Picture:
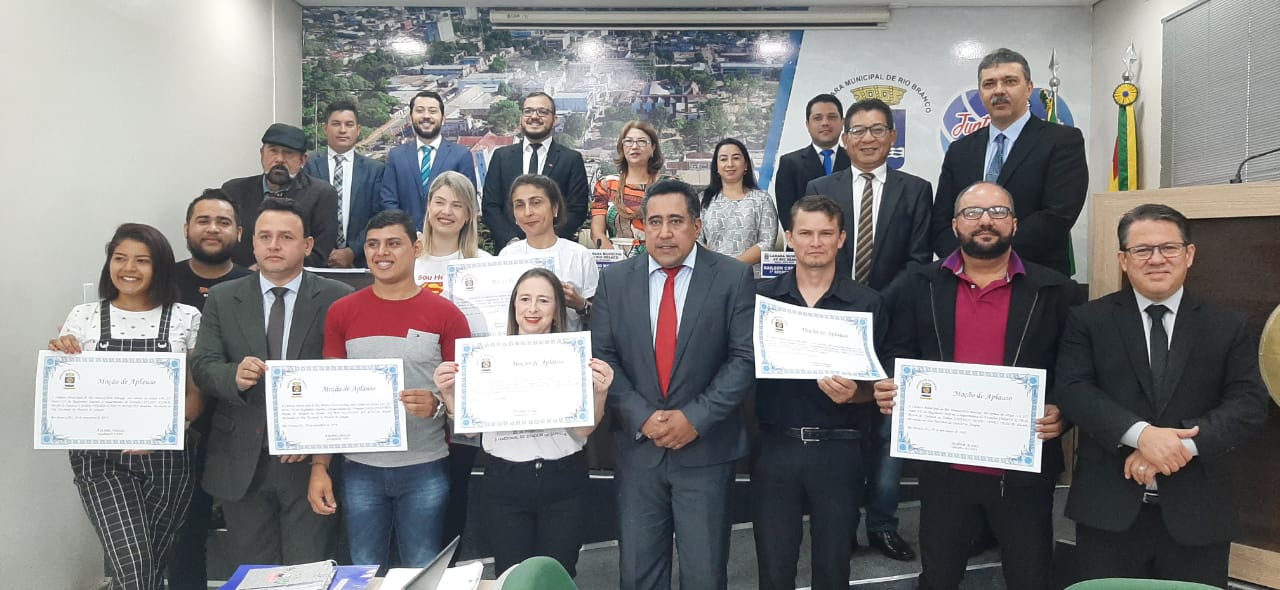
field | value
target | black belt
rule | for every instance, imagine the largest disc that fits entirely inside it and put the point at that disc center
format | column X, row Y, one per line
column 574, row 460
column 1149, row 497
column 813, row 434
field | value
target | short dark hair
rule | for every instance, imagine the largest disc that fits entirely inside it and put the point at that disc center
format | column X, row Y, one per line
column 1152, row 212
column 285, row 205
column 1004, row 56
column 869, row 104
column 392, row 217
column 213, row 194
column 831, row 98
column 542, row 94
column 427, row 94
column 669, row 186
column 162, row 290
column 557, row 322
column 549, row 188
column 819, row 204
column 344, row 104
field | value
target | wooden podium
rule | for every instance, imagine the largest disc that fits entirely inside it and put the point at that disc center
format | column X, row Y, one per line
column 1236, row 229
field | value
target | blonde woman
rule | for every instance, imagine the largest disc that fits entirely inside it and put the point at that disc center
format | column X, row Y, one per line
column 449, row 230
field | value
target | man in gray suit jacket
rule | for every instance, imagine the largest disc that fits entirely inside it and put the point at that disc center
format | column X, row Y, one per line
column 675, row 325
column 277, row 313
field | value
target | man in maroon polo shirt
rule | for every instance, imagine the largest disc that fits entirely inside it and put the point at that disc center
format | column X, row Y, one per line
column 983, row 304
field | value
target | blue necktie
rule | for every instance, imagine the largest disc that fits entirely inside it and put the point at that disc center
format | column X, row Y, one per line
column 827, row 162
column 997, row 160
column 426, row 167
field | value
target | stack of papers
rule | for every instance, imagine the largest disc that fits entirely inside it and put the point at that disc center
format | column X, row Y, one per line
column 462, row 577
column 307, row 576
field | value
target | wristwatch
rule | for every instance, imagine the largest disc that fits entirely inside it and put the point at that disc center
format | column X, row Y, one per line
column 441, row 409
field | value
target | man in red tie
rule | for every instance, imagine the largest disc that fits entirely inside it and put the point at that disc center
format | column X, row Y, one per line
column 681, row 371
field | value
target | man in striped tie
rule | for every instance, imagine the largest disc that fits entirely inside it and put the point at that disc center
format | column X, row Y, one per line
column 411, row 167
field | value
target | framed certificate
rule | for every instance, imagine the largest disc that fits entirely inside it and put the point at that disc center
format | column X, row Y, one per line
column 523, row 383
column 981, row 415
column 793, row 342
column 335, row 406
column 110, row 400
column 481, row 288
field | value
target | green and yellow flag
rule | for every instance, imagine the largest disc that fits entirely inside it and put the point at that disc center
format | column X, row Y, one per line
column 1124, row 159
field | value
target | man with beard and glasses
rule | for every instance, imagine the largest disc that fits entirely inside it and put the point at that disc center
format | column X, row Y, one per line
column 283, row 154
column 212, row 230
column 983, row 304
column 411, row 167
column 536, row 153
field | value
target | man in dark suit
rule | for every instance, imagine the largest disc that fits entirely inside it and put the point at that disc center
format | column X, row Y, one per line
column 284, row 153
column 675, row 325
column 823, row 118
column 536, row 153
column 984, row 305
column 354, row 177
column 1041, row 164
column 277, row 313
column 411, row 167
column 1162, row 386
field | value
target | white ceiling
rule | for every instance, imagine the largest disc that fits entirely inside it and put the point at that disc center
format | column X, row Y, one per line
column 658, row 4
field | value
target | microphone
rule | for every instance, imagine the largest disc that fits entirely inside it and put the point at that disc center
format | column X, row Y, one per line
column 1236, row 179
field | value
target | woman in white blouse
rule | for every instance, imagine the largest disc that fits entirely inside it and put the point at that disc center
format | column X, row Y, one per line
column 449, row 231
column 738, row 219
column 535, row 484
column 136, row 500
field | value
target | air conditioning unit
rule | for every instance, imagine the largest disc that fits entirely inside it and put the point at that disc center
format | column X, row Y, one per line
column 700, row 19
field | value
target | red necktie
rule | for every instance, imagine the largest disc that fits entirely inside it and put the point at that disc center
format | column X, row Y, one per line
column 664, row 345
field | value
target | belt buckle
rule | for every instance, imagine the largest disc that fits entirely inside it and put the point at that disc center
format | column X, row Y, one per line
column 1149, row 497
column 804, row 434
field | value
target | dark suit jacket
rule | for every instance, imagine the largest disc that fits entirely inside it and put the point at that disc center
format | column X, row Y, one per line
column 714, row 366
column 402, row 180
column 902, row 235
column 1104, row 386
column 233, row 327
column 924, row 327
column 366, row 181
column 1045, row 172
column 795, row 170
column 562, row 164
column 317, row 199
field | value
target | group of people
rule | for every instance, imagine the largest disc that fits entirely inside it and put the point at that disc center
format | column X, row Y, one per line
column 1159, row 384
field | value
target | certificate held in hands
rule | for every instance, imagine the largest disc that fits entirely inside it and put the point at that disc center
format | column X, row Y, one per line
column 793, row 342
column 968, row 414
column 335, row 406
column 110, row 400
column 481, row 288
column 523, row 383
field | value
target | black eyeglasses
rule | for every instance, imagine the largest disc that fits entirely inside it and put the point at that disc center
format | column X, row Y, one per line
column 530, row 111
column 974, row 213
column 876, row 131
column 1170, row 250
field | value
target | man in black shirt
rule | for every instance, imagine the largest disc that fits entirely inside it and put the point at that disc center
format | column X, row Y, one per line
column 809, row 447
column 212, row 230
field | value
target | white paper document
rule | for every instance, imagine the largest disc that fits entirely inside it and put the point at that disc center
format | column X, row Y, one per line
column 335, row 406
column 981, row 415
column 110, row 400
column 481, row 288
column 793, row 342
column 523, row 383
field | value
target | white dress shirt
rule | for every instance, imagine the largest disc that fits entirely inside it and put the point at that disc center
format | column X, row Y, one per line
column 348, row 176
column 290, row 297
column 658, row 280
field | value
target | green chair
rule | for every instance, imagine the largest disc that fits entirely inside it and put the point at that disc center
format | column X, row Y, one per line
column 1137, row 584
column 536, row 573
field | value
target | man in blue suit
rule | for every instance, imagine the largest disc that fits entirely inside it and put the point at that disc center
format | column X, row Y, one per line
column 354, row 177
column 411, row 167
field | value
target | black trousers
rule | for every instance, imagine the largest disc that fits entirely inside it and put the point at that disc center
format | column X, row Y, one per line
column 461, row 459
column 1147, row 551
column 786, row 473
column 534, row 508
column 954, row 503
column 187, row 569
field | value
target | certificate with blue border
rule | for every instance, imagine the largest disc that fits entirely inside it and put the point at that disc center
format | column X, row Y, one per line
column 335, row 406
column 967, row 414
column 110, row 400
column 481, row 288
column 794, row 342
column 531, row 382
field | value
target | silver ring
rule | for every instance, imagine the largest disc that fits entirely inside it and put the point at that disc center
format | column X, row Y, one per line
column 1142, row 468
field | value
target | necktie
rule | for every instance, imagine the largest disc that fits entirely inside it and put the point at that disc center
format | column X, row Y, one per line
column 275, row 325
column 337, row 186
column 997, row 160
column 664, row 345
column 827, row 162
column 866, row 236
column 1159, row 345
column 426, row 168
column 533, row 158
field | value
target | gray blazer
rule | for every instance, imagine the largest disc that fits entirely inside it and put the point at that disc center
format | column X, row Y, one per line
column 714, row 367
column 233, row 326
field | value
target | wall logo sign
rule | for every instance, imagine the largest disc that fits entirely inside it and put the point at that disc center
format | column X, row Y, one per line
column 894, row 90
column 966, row 114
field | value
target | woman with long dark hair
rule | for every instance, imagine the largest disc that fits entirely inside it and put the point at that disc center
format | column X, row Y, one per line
column 738, row 219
